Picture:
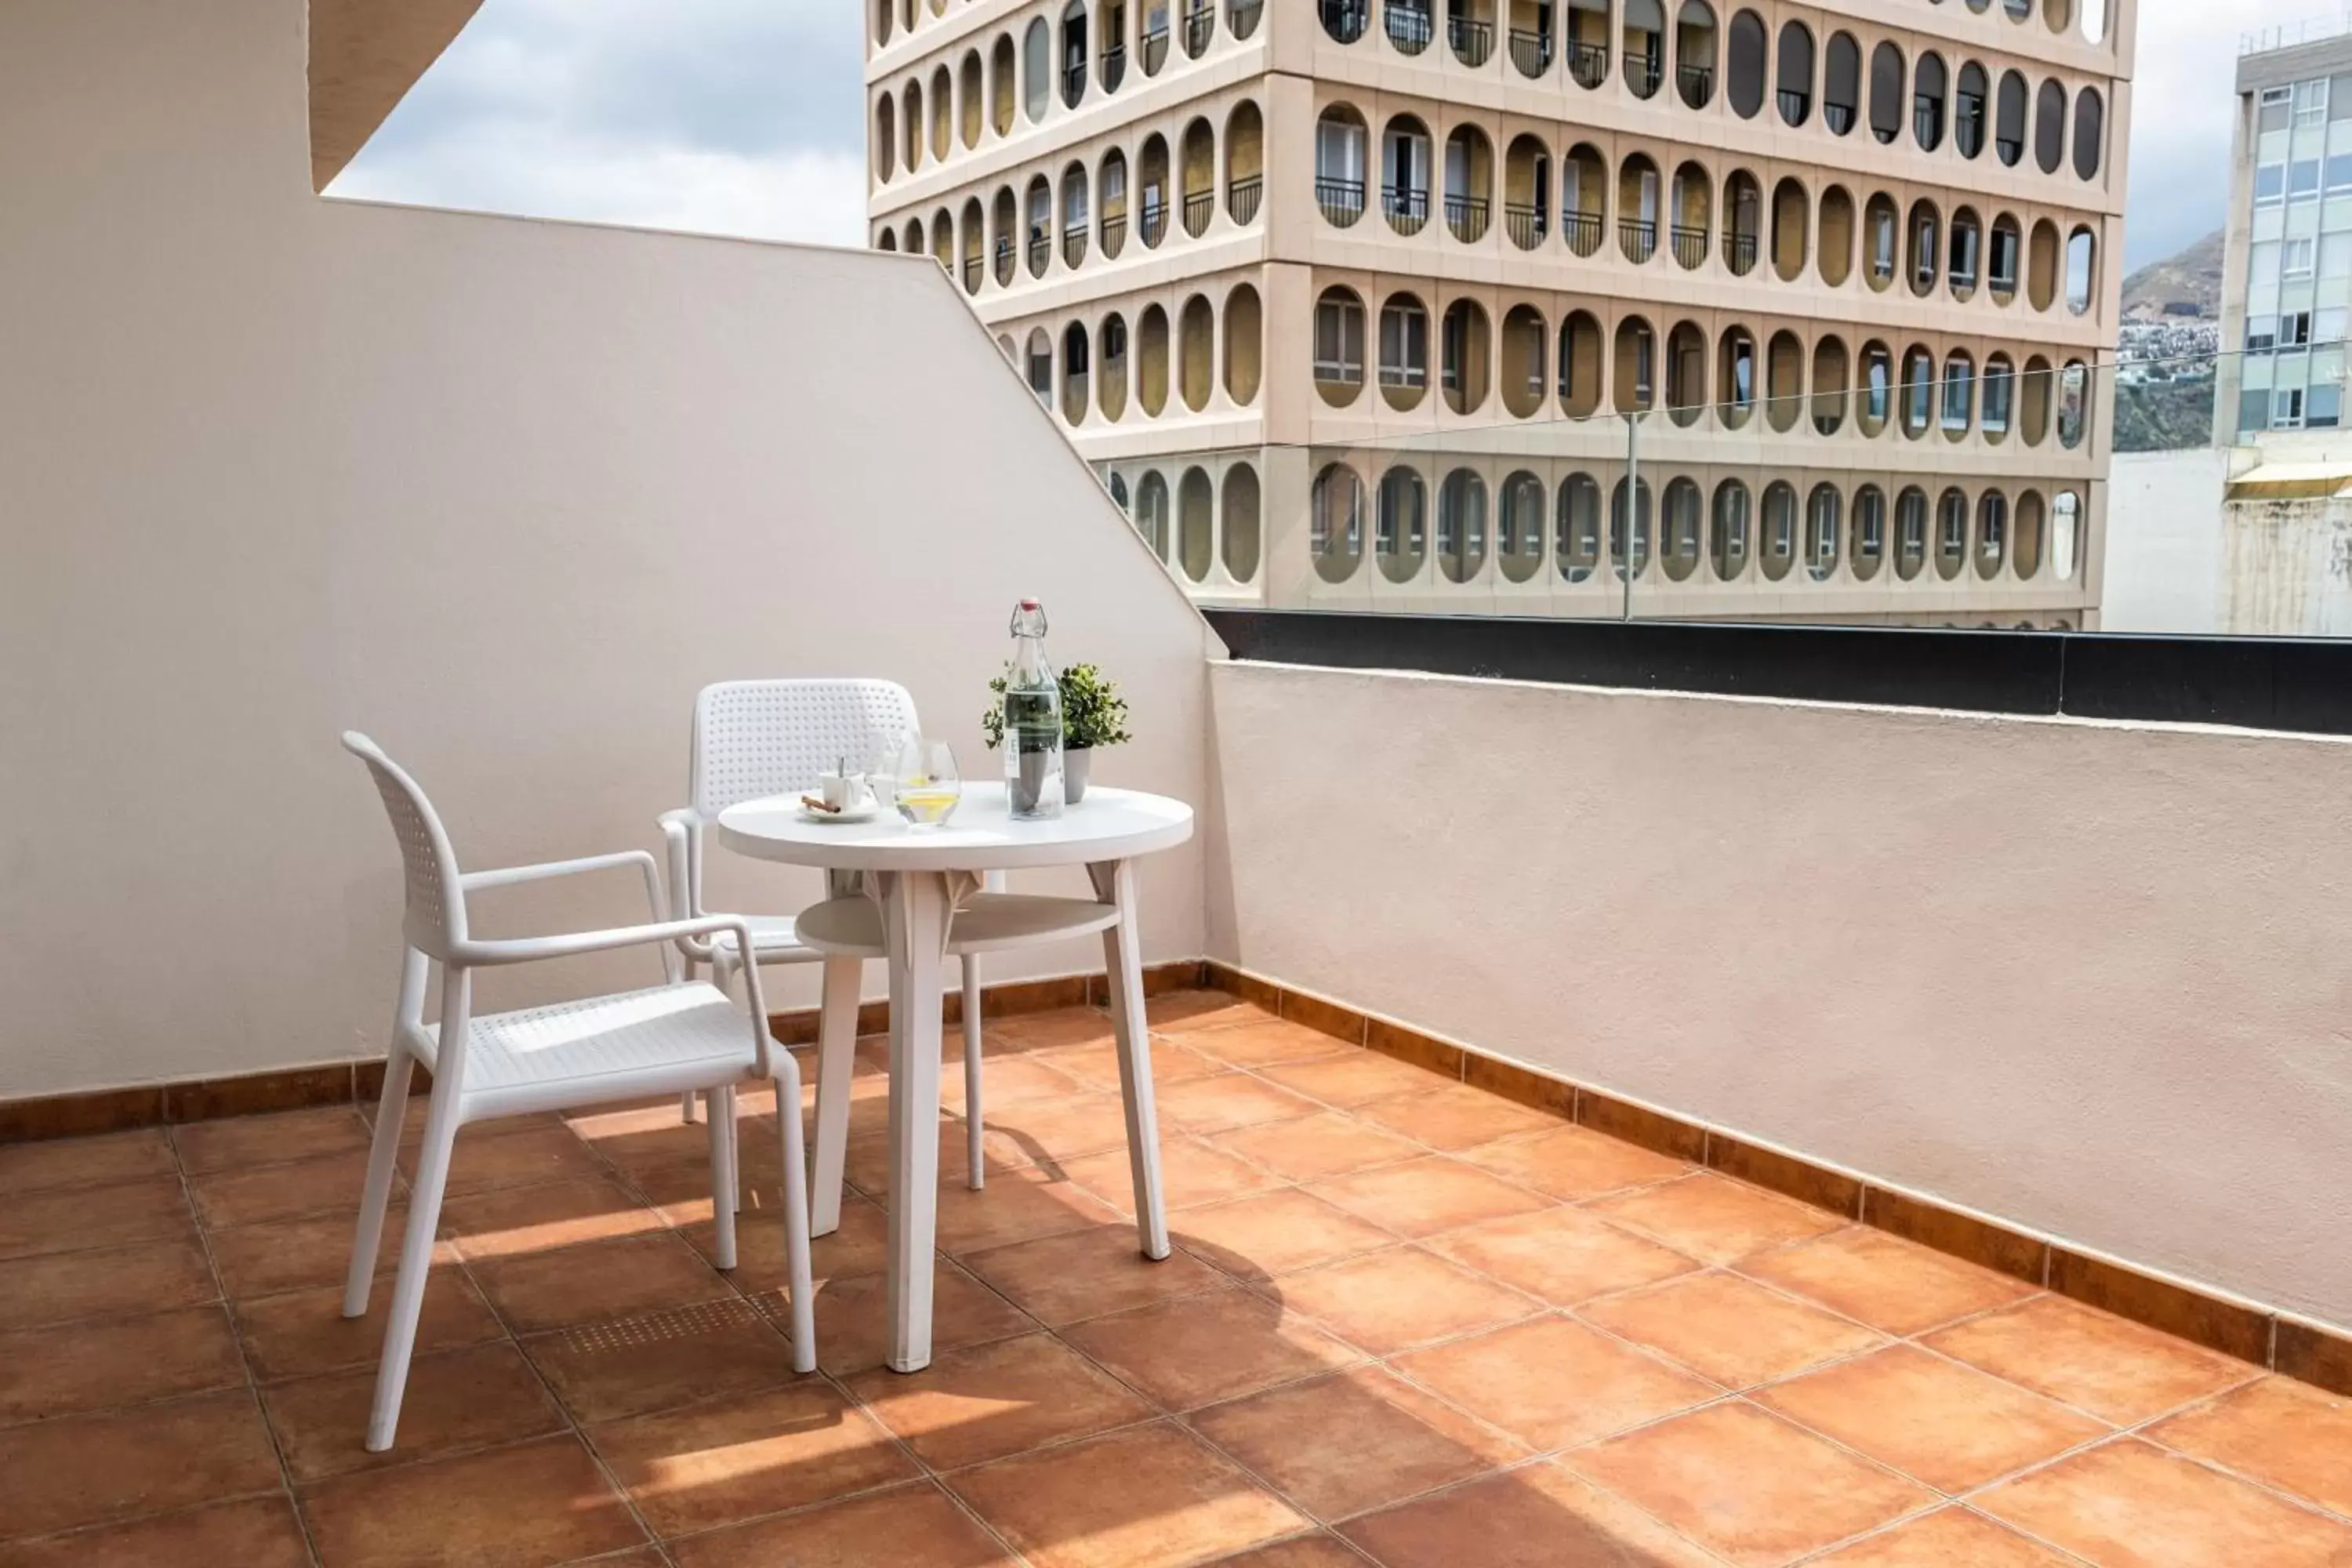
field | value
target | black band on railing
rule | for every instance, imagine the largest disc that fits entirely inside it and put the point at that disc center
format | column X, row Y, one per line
column 2300, row 685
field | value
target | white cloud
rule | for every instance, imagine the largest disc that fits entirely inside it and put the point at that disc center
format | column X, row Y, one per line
column 2184, row 92
column 811, row 194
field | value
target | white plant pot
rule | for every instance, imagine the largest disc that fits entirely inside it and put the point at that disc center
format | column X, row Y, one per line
column 1073, row 774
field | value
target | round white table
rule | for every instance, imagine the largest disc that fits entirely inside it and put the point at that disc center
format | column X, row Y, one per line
column 917, row 876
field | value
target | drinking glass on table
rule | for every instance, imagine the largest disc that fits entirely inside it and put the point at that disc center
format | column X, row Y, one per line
column 925, row 783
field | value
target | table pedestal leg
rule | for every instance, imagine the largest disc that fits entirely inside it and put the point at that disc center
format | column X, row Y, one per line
column 914, row 911
column 1123, row 957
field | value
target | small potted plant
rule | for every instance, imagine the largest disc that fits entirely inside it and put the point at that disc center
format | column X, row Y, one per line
column 1093, row 714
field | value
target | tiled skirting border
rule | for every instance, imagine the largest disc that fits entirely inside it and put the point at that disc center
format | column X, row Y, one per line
column 2279, row 1341
column 2312, row 1352
column 334, row 1083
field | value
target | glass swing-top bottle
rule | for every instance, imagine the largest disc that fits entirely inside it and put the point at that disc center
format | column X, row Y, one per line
column 1033, row 720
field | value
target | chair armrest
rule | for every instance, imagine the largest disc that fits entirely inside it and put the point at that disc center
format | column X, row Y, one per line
column 512, row 875
column 572, row 944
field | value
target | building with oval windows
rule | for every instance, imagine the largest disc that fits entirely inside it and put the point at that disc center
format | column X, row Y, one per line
column 1707, row 308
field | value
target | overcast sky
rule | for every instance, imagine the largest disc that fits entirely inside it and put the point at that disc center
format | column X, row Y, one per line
column 746, row 117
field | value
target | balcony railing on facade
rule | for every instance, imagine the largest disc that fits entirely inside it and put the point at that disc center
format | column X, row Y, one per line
column 1243, row 195
column 1114, row 66
column 972, row 274
column 1690, row 246
column 1588, row 63
column 1003, row 260
column 1152, row 223
column 1473, row 41
column 1243, row 14
column 1040, row 247
column 1074, row 82
column 1739, row 252
column 1583, row 231
column 1530, row 51
column 1200, row 26
column 1113, row 233
column 1525, row 222
column 1155, row 48
column 1410, row 26
column 1406, row 209
column 1198, row 207
column 1697, row 81
column 1074, row 246
column 1346, row 20
column 1466, row 216
column 1342, row 201
column 1643, row 71
column 1638, row 236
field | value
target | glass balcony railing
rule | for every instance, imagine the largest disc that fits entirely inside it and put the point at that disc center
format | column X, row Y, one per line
column 1114, row 66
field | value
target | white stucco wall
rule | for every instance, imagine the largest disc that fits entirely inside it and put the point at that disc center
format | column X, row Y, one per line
column 2086, row 977
column 2164, row 542
column 503, row 494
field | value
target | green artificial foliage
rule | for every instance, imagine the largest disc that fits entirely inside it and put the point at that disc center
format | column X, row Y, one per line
column 1093, row 712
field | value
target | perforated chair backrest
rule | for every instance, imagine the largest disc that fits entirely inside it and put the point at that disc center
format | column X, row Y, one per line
column 436, row 915
column 755, row 738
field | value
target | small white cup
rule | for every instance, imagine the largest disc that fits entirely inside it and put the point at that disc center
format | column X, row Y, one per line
column 839, row 791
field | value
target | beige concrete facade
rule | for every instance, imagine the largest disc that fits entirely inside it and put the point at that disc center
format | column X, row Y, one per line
column 1372, row 304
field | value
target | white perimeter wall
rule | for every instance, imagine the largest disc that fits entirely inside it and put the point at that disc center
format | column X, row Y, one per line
column 2164, row 542
column 503, row 494
column 2086, row 977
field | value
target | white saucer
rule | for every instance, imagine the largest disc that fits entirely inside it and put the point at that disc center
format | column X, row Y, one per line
column 865, row 812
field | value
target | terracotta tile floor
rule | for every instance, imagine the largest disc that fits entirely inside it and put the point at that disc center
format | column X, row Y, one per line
column 1407, row 1325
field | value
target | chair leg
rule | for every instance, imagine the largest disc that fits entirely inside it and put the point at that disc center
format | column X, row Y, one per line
column 383, row 1155
column 974, row 1134
column 796, row 1209
column 719, row 1105
column 686, row 1108
column 415, row 1263
column 836, row 1059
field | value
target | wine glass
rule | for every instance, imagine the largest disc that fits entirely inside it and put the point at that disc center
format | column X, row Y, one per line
column 924, row 781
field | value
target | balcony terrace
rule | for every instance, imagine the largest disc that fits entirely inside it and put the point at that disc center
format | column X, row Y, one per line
column 1629, row 1095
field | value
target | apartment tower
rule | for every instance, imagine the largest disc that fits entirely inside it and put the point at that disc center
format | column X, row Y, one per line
column 1417, row 305
column 2286, row 279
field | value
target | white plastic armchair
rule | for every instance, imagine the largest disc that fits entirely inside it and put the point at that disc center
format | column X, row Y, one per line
column 678, row 1038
